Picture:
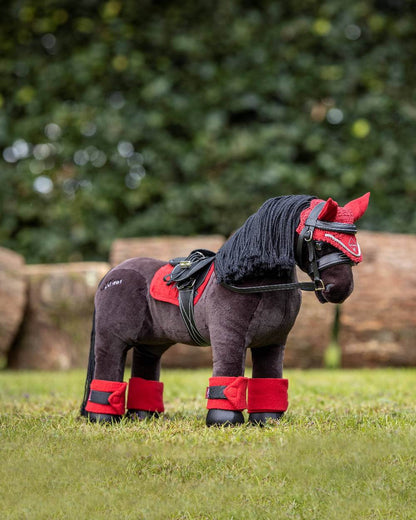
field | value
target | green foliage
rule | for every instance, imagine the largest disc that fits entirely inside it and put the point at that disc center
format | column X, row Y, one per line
column 344, row 450
column 146, row 118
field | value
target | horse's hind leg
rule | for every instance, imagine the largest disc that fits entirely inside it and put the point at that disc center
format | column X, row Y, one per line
column 145, row 397
column 104, row 399
column 267, row 391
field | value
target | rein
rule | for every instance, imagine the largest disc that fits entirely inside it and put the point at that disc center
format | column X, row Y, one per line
column 303, row 286
column 314, row 264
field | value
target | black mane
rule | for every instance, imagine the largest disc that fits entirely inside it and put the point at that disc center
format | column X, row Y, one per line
column 264, row 244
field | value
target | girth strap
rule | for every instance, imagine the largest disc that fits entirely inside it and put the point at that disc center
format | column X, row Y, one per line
column 188, row 274
column 186, row 307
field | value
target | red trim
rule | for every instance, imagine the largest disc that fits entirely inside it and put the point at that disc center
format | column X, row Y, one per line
column 201, row 288
column 235, row 393
column 159, row 290
column 145, row 395
column 267, row 395
column 116, row 400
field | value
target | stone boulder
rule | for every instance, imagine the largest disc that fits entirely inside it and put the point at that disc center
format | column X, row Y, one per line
column 311, row 333
column 378, row 321
column 57, row 325
column 13, row 297
column 162, row 248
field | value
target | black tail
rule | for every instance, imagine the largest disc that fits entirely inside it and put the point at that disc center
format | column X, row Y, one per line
column 91, row 369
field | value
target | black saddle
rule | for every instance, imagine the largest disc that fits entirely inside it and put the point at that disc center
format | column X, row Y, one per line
column 188, row 274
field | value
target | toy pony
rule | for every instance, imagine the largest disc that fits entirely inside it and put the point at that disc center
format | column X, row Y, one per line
column 244, row 296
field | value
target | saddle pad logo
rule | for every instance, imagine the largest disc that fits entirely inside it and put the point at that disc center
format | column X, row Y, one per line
column 353, row 246
column 111, row 283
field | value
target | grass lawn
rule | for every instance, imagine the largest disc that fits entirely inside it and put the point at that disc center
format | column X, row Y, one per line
column 346, row 449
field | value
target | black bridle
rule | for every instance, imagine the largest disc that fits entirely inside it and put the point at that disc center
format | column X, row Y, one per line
column 313, row 264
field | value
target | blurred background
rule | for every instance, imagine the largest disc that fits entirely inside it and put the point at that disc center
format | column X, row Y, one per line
column 140, row 118
column 131, row 128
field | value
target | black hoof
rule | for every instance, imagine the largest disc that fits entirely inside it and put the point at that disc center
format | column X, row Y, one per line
column 103, row 417
column 224, row 418
column 141, row 415
column 260, row 418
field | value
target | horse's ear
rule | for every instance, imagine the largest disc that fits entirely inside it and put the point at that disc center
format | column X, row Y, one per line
column 358, row 206
column 329, row 211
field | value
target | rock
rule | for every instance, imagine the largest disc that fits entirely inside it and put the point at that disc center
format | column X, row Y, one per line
column 378, row 321
column 13, row 297
column 56, row 330
column 162, row 248
column 311, row 333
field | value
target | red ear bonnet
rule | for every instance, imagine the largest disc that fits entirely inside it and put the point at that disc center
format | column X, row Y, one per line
column 331, row 212
column 358, row 206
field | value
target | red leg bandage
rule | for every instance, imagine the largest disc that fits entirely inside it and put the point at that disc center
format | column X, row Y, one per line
column 107, row 397
column 267, row 395
column 227, row 393
column 145, row 395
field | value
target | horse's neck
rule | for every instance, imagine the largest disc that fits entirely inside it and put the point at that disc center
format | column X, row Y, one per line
column 270, row 279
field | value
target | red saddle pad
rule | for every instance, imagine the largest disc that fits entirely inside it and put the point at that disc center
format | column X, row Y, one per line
column 160, row 290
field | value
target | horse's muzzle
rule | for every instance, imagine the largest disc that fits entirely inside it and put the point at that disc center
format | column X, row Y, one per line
column 334, row 293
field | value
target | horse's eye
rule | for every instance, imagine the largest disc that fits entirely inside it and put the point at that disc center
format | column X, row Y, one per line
column 318, row 246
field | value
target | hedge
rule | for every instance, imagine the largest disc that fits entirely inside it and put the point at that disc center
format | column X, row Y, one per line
column 140, row 118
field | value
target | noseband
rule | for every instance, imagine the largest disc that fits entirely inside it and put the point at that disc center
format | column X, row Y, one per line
column 313, row 265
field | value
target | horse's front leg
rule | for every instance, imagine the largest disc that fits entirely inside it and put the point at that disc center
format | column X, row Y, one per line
column 267, row 390
column 230, row 317
column 227, row 389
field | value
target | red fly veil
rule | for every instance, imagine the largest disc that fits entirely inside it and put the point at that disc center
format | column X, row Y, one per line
column 331, row 212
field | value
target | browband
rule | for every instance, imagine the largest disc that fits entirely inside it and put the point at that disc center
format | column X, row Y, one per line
column 339, row 227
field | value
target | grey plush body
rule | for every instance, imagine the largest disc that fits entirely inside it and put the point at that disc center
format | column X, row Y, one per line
column 127, row 316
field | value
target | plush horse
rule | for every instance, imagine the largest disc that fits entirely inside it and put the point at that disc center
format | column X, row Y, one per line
column 244, row 296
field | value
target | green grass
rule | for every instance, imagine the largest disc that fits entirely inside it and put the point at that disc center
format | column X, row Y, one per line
column 346, row 449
